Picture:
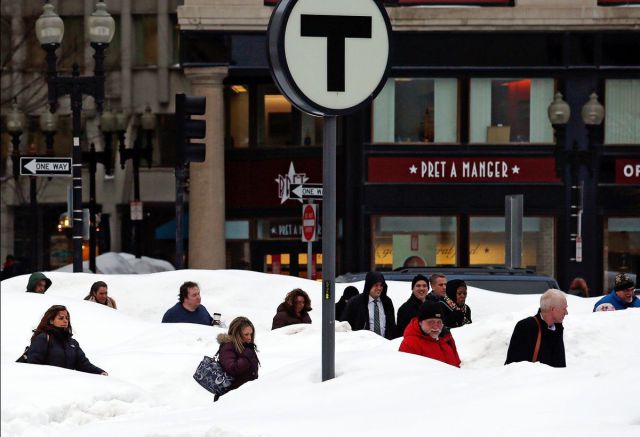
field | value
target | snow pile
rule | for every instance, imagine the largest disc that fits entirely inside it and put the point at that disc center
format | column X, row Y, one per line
column 377, row 392
column 112, row 263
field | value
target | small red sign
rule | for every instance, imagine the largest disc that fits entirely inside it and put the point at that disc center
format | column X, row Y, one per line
column 309, row 222
column 627, row 171
column 498, row 170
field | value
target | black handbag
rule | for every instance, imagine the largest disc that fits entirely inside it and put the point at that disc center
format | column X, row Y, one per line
column 212, row 377
column 23, row 357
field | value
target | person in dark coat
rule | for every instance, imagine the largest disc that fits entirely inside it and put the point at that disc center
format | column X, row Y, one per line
column 98, row 293
column 237, row 353
column 547, row 324
column 52, row 345
column 38, row 283
column 295, row 309
column 347, row 294
column 189, row 308
column 361, row 313
column 409, row 309
column 457, row 311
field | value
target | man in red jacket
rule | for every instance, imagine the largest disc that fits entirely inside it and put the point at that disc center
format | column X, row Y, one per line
column 427, row 336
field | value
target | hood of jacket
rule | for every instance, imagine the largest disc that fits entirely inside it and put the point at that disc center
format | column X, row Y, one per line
column 452, row 288
column 224, row 338
column 413, row 330
column 371, row 279
column 35, row 277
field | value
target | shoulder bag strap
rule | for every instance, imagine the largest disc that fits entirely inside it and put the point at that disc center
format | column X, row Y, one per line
column 538, row 340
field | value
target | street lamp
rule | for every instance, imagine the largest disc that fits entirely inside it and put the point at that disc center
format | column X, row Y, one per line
column 50, row 30
column 121, row 121
column 16, row 122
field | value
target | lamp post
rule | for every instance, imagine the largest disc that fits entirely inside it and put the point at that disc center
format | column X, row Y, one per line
column 50, row 30
column 16, row 122
column 49, row 126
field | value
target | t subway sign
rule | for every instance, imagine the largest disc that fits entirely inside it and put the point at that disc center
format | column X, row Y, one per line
column 329, row 57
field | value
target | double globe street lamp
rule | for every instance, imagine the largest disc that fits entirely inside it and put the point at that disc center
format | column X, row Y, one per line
column 50, row 31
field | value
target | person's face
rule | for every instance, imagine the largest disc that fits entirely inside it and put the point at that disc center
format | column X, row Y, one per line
column 40, row 286
column 193, row 297
column 432, row 327
column 246, row 333
column 376, row 290
column 440, row 287
column 298, row 304
column 101, row 295
column 61, row 320
column 559, row 310
column 626, row 295
column 420, row 290
column 461, row 295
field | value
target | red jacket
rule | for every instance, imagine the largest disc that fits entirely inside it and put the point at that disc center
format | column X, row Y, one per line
column 416, row 342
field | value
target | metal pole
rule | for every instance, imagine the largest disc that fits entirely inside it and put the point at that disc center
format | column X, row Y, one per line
column 513, row 223
column 310, row 251
column 137, row 247
column 92, row 208
column 35, row 248
column 179, row 207
column 329, row 248
column 76, row 108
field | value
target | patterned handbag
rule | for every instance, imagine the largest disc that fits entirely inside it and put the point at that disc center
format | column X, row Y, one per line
column 212, row 376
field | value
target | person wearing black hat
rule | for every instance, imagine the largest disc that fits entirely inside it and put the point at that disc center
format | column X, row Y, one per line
column 372, row 309
column 409, row 309
column 622, row 297
column 427, row 336
column 347, row 294
column 457, row 312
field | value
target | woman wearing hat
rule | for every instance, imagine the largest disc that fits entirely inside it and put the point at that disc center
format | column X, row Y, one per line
column 427, row 336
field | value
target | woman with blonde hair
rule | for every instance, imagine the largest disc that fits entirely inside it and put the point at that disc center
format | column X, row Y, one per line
column 295, row 309
column 238, row 352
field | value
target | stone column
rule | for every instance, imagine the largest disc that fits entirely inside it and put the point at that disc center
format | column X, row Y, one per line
column 206, row 199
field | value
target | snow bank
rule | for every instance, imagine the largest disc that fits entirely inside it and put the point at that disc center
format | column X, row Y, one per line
column 112, row 263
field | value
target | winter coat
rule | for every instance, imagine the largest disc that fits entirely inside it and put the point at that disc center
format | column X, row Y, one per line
column 613, row 299
column 357, row 310
column 110, row 302
column 242, row 366
column 407, row 311
column 179, row 314
column 417, row 342
column 523, row 343
column 35, row 277
column 285, row 317
column 59, row 349
column 455, row 316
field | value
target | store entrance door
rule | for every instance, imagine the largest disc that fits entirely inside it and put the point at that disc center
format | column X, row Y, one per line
column 286, row 258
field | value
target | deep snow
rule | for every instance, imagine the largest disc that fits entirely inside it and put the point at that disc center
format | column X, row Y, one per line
column 377, row 392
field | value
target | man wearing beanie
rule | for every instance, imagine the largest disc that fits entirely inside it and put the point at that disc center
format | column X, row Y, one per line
column 409, row 309
column 426, row 335
column 372, row 309
column 622, row 297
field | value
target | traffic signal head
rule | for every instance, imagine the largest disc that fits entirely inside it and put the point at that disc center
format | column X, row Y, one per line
column 188, row 129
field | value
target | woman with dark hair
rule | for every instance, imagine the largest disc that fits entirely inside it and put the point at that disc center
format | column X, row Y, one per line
column 458, row 313
column 579, row 287
column 98, row 294
column 237, row 353
column 52, row 345
column 347, row 294
column 295, row 309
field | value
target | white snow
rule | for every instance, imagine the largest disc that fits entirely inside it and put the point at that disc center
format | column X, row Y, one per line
column 112, row 263
column 378, row 391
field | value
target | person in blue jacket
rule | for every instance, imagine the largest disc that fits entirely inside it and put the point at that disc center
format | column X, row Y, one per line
column 622, row 297
column 188, row 309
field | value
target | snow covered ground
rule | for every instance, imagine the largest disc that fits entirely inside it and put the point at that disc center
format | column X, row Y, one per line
column 123, row 263
column 377, row 392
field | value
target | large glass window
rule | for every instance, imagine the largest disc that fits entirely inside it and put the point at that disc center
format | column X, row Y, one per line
column 164, row 154
column 237, row 102
column 416, row 111
column 413, row 242
column 510, row 111
column 621, row 249
column 487, row 243
column 622, row 105
column 146, row 40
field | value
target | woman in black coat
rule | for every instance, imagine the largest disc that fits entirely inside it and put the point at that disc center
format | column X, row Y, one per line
column 458, row 313
column 52, row 345
column 237, row 353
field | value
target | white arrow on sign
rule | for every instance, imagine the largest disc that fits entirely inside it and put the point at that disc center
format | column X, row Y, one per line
column 31, row 166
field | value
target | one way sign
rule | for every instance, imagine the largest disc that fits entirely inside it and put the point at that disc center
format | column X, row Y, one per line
column 36, row 166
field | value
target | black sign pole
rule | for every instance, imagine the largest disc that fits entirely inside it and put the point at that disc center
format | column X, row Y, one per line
column 309, row 244
column 329, row 248
column 179, row 211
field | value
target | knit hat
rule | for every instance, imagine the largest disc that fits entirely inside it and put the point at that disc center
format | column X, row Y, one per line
column 430, row 310
column 623, row 281
column 417, row 278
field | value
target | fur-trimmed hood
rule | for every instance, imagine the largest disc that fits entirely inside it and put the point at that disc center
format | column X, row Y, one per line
column 224, row 338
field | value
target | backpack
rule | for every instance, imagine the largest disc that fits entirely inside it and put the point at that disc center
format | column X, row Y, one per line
column 23, row 358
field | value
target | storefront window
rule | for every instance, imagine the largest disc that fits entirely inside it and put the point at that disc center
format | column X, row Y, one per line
column 164, row 154
column 413, row 242
column 621, row 249
column 416, row 111
column 146, row 40
column 510, row 111
column 487, row 243
column 237, row 235
column 622, row 106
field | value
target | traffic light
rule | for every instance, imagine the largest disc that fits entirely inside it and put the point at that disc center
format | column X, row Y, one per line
column 188, row 129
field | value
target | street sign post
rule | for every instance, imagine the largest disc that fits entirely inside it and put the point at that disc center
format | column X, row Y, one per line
column 38, row 166
column 329, row 58
column 309, row 232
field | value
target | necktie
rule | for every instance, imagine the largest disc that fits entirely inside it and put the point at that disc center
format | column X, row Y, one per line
column 376, row 317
